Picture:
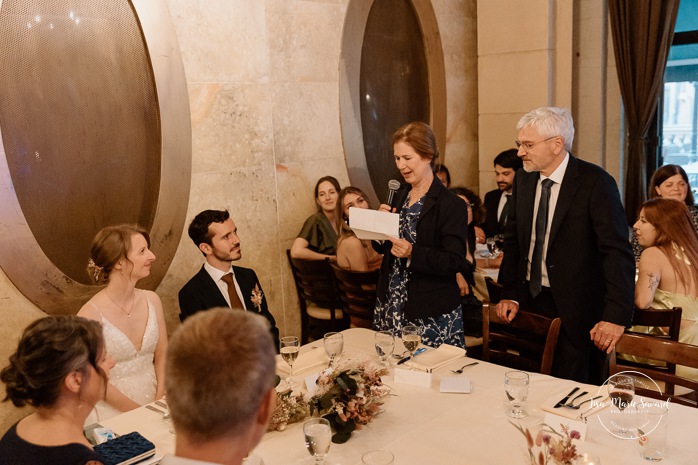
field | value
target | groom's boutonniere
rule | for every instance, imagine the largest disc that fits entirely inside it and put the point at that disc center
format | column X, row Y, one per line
column 257, row 297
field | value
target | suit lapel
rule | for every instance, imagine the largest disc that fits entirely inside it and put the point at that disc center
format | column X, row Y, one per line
column 209, row 290
column 431, row 196
column 568, row 189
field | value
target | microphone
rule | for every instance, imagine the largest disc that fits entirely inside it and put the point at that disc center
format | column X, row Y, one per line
column 393, row 186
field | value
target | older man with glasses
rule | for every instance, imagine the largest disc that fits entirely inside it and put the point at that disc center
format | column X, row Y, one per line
column 567, row 246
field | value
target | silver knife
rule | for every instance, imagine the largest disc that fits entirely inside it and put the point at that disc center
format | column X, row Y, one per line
column 564, row 399
column 419, row 351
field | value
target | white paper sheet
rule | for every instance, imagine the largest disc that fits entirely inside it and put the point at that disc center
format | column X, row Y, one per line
column 373, row 224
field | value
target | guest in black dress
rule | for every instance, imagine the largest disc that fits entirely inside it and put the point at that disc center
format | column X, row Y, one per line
column 418, row 274
column 61, row 368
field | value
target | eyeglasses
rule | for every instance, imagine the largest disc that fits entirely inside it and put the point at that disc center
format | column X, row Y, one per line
column 529, row 145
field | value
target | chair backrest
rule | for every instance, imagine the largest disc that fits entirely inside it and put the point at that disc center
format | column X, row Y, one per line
column 494, row 289
column 315, row 282
column 358, row 292
column 526, row 343
column 661, row 323
column 669, row 320
column 671, row 352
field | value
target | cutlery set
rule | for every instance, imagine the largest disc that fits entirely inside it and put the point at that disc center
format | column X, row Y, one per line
column 566, row 403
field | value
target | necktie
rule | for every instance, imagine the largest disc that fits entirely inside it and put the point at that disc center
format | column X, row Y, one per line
column 504, row 215
column 232, row 293
column 541, row 227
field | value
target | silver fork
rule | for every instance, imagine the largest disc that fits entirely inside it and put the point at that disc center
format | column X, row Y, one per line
column 460, row 370
column 576, row 407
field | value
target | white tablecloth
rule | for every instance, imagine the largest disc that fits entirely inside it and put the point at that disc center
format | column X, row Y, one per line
column 421, row 426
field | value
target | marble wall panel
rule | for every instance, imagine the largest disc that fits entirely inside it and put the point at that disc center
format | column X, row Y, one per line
column 231, row 126
column 222, row 40
column 306, row 121
column 507, row 27
column 513, row 82
column 301, row 49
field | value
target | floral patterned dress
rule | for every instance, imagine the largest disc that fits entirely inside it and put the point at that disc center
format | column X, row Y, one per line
column 389, row 314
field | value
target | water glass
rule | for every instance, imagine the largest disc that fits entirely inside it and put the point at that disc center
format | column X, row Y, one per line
column 587, row 459
column 378, row 457
column 516, row 388
column 334, row 345
column 318, row 437
column 385, row 343
column 652, row 429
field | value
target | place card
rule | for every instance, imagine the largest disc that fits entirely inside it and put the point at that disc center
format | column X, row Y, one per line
column 311, row 383
column 456, row 384
column 415, row 378
column 555, row 422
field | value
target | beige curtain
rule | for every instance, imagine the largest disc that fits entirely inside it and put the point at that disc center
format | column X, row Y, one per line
column 642, row 33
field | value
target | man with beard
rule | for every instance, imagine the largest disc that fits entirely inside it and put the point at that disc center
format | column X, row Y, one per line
column 497, row 201
column 219, row 283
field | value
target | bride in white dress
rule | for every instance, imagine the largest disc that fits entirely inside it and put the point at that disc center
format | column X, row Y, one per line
column 133, row 321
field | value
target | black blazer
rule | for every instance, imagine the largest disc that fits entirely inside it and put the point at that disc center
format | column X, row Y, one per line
column 491, row 202
column 589, row 260
column 202, row 293
column 436, row 257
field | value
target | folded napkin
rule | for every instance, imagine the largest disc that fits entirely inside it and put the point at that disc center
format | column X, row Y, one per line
column 309, row 358
column 588, row 409
column 435, row 358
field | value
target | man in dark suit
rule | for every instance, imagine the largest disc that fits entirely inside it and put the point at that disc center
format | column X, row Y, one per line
column 574, row 259
column 506, row 164
column 219, row 283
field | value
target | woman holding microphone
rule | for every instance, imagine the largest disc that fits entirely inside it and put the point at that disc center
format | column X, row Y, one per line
column 418, row 273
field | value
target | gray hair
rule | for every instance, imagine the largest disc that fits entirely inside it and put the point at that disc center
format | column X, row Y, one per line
column 220, row 366
column 550, row 122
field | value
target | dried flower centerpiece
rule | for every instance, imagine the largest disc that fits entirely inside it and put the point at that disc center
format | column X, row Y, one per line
column 552, row 447
column 349, row 396
column 291, row 407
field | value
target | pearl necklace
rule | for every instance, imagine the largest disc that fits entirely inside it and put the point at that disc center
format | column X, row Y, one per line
column 133, row 301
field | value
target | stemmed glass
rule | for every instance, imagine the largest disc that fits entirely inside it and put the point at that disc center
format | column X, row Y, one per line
column 318, row 437
column 493, row 246
column 384, row 343
column 411, row 337
column 621, row 390
column 289, row 352
column 334, row 344
column 516, row 387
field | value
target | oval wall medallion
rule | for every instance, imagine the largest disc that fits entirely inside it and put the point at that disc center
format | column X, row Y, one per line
column 94, row 130
column 391, row 73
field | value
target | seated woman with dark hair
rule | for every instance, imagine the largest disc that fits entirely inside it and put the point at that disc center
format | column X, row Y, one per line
column 669, row 182
column 667, row 275
column 317, row 239
column 61, row 368
column 353, row 253
column 472, row 307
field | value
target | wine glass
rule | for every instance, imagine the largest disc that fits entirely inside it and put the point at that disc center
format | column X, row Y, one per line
column 499, row 242
column 289, row 352
column 334, row 344
column 621, row 390
column 492, row 247
column 411, row 337
column 516, row 387
column 318, row 437
column 385, row 343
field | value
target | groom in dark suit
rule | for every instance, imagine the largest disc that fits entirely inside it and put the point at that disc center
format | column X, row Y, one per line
column 219, row 283
column 567, row 249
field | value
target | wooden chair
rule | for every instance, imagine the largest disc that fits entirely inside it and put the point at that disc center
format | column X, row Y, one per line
column 526, row 343
column 318, row 297
column 665, row 324
column 358, row 292
column 494, row 290
column 671, row 352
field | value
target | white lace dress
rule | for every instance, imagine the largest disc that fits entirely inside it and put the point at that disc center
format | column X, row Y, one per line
column 134, row 372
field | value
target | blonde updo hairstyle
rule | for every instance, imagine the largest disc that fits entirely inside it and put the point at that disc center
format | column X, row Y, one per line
column 111, row 244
